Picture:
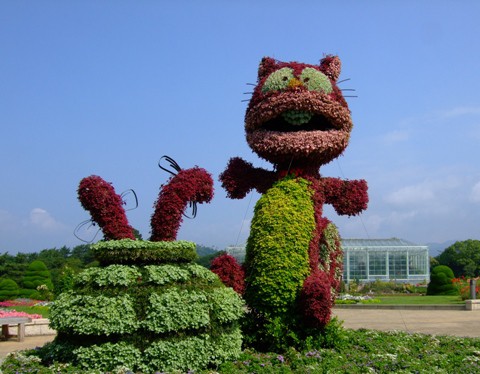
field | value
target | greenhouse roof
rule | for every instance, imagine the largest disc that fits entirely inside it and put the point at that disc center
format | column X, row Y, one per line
column 392, row 242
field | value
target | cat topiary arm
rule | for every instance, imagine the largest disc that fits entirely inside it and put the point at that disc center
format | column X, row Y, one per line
column 240, row 177
column 347, row 197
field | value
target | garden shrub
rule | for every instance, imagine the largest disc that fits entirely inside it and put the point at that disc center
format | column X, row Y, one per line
column 441, row 281
column 8, row 289
column 171, row 315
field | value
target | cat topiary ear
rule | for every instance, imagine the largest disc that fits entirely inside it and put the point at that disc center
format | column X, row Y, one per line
column 331, row 66
column 267, row 65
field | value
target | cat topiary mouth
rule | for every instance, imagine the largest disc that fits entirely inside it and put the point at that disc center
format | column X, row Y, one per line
column 297, row 117
column 298, row 120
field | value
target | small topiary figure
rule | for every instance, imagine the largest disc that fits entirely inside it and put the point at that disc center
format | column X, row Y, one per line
column 441, row 281
column 37, row 275
column 298, row 120
column 8, row 289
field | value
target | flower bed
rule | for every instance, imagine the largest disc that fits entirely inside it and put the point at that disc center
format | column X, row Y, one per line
column 462, row 284
column 14, row 313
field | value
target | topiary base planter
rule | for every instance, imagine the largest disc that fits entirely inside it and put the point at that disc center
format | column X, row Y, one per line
column 170, row 315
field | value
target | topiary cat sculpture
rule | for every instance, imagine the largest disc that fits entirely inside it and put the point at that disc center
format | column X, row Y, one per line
column 298, row 120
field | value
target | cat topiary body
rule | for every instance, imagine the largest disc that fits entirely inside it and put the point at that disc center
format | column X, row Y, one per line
column 298, row 120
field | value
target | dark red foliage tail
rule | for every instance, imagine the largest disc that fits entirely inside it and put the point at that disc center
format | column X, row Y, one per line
column 195, row 185
column 230, row 272
column 106, row 208
column 316, row 300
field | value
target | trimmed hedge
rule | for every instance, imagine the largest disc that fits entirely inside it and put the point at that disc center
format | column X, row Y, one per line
column 8, row 289
column 441, row 281
column 143, row 252
column 37, row 274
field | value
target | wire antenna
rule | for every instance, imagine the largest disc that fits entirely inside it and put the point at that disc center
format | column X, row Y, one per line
column 80, row 227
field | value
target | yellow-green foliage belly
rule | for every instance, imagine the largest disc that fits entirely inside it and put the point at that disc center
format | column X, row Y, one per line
column 277, row 250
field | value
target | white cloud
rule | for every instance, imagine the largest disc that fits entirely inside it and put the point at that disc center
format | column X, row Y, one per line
column 42, row 219
column 417, row 194
column 458, row 112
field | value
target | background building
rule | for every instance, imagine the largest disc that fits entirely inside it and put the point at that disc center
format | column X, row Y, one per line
column 366, row 260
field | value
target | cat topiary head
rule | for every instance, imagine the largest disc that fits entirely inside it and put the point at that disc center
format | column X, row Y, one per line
column 297, row 113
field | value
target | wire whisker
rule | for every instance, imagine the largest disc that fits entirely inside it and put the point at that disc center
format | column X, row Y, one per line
column 343, row 80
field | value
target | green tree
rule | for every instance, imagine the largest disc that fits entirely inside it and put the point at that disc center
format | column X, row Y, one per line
column 463, row 258
column 65, row 280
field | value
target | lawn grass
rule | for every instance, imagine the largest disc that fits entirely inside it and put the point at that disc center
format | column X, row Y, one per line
column 419, row 300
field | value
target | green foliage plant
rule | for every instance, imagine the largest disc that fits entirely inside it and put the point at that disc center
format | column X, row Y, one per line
column 8, row 289
column 441, row 281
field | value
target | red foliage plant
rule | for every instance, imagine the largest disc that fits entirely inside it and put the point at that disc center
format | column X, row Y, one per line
column 315, row 300
column 106, row 208
column 230, row 272
column 195, row 185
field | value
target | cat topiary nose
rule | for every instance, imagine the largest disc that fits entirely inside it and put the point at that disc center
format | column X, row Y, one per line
column 294, row 82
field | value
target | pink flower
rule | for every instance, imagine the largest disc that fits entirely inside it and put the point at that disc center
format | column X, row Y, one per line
column 14, row 313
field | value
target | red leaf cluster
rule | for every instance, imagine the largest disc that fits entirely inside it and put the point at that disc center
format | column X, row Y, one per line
column 347, row 197
column 240, row 177
column 230, row 272
column 106, row 208
column 189, row 185
column 315, row 300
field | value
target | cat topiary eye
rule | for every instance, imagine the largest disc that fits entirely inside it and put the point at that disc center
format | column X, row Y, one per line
column 278, row 80
column 315, row 80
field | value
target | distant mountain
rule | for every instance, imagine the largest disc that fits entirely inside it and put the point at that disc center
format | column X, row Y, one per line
column 205, row 251
column 435, row 249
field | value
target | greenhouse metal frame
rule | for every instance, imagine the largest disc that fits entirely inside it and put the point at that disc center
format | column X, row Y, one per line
column 398, row 260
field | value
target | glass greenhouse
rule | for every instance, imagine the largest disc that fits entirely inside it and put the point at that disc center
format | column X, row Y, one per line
column 398, row 260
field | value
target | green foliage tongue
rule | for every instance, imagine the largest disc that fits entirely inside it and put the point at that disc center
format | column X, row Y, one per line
column 297, row 117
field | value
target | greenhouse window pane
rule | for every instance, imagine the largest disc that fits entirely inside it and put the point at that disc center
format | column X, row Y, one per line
column 358, row 265
column 417, row 263
column 397, row 265
column 378, row 263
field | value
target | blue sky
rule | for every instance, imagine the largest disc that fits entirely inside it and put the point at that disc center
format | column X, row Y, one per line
column 107, row 88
